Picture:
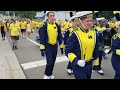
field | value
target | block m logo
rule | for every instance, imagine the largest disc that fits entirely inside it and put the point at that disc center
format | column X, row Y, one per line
column 89, row 36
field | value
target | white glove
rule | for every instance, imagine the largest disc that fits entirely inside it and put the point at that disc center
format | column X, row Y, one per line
column 81, row 63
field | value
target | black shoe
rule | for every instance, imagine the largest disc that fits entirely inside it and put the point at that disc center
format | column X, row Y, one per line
column 16, row 47
column 13, row 48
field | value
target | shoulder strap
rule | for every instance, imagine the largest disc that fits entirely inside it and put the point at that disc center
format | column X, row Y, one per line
column 57, row 25
column 45, row 23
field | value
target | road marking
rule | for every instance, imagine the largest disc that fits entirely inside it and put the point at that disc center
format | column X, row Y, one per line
column 42, row 63
column 32, row 41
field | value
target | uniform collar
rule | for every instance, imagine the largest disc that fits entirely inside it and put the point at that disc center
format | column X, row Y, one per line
column 50, row 23
column 74, row 27
column 86, row 31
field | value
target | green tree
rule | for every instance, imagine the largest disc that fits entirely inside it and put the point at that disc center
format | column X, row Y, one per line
column 106, row 14
column 3, row 12
column 25, row 14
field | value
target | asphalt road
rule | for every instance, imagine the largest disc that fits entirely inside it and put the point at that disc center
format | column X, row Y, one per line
column 29, row 53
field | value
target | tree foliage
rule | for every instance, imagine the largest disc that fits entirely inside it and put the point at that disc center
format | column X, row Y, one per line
column 26, row 14
column 106, row 14
column 31, row 14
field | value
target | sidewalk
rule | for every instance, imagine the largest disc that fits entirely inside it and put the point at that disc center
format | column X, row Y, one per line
column 9, row 65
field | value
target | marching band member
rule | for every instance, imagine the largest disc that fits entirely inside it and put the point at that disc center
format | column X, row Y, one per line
column 99, row 29
column 75, row 24
column 50, row 35
column 81, row 47
column 116, row 54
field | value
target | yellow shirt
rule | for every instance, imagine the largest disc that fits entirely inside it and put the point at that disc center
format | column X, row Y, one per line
column 40, row 24
column 14, row 28
column 67, row 25
column 37, row 24
column 62, row 27
column 19, row 23
column 32, row 25
column 101, row 28
column 28, row 26
column 23, row 25
column 8, row 24
column 52, row 33
column 117, row 24
column 112, row 25
column 115, row 12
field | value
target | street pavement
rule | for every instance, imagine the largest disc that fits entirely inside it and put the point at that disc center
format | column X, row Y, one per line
column 9, row 65
column 33, row 64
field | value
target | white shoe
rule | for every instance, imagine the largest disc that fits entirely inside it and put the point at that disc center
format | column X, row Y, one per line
column 47, row 77
column 101, row 72
column 93, row 71
column 52, row 77
column 69, row 71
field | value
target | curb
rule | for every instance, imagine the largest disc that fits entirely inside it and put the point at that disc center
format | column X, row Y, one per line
column 9, row 65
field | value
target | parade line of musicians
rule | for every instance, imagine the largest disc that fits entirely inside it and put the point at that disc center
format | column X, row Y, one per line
column 85, row 39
